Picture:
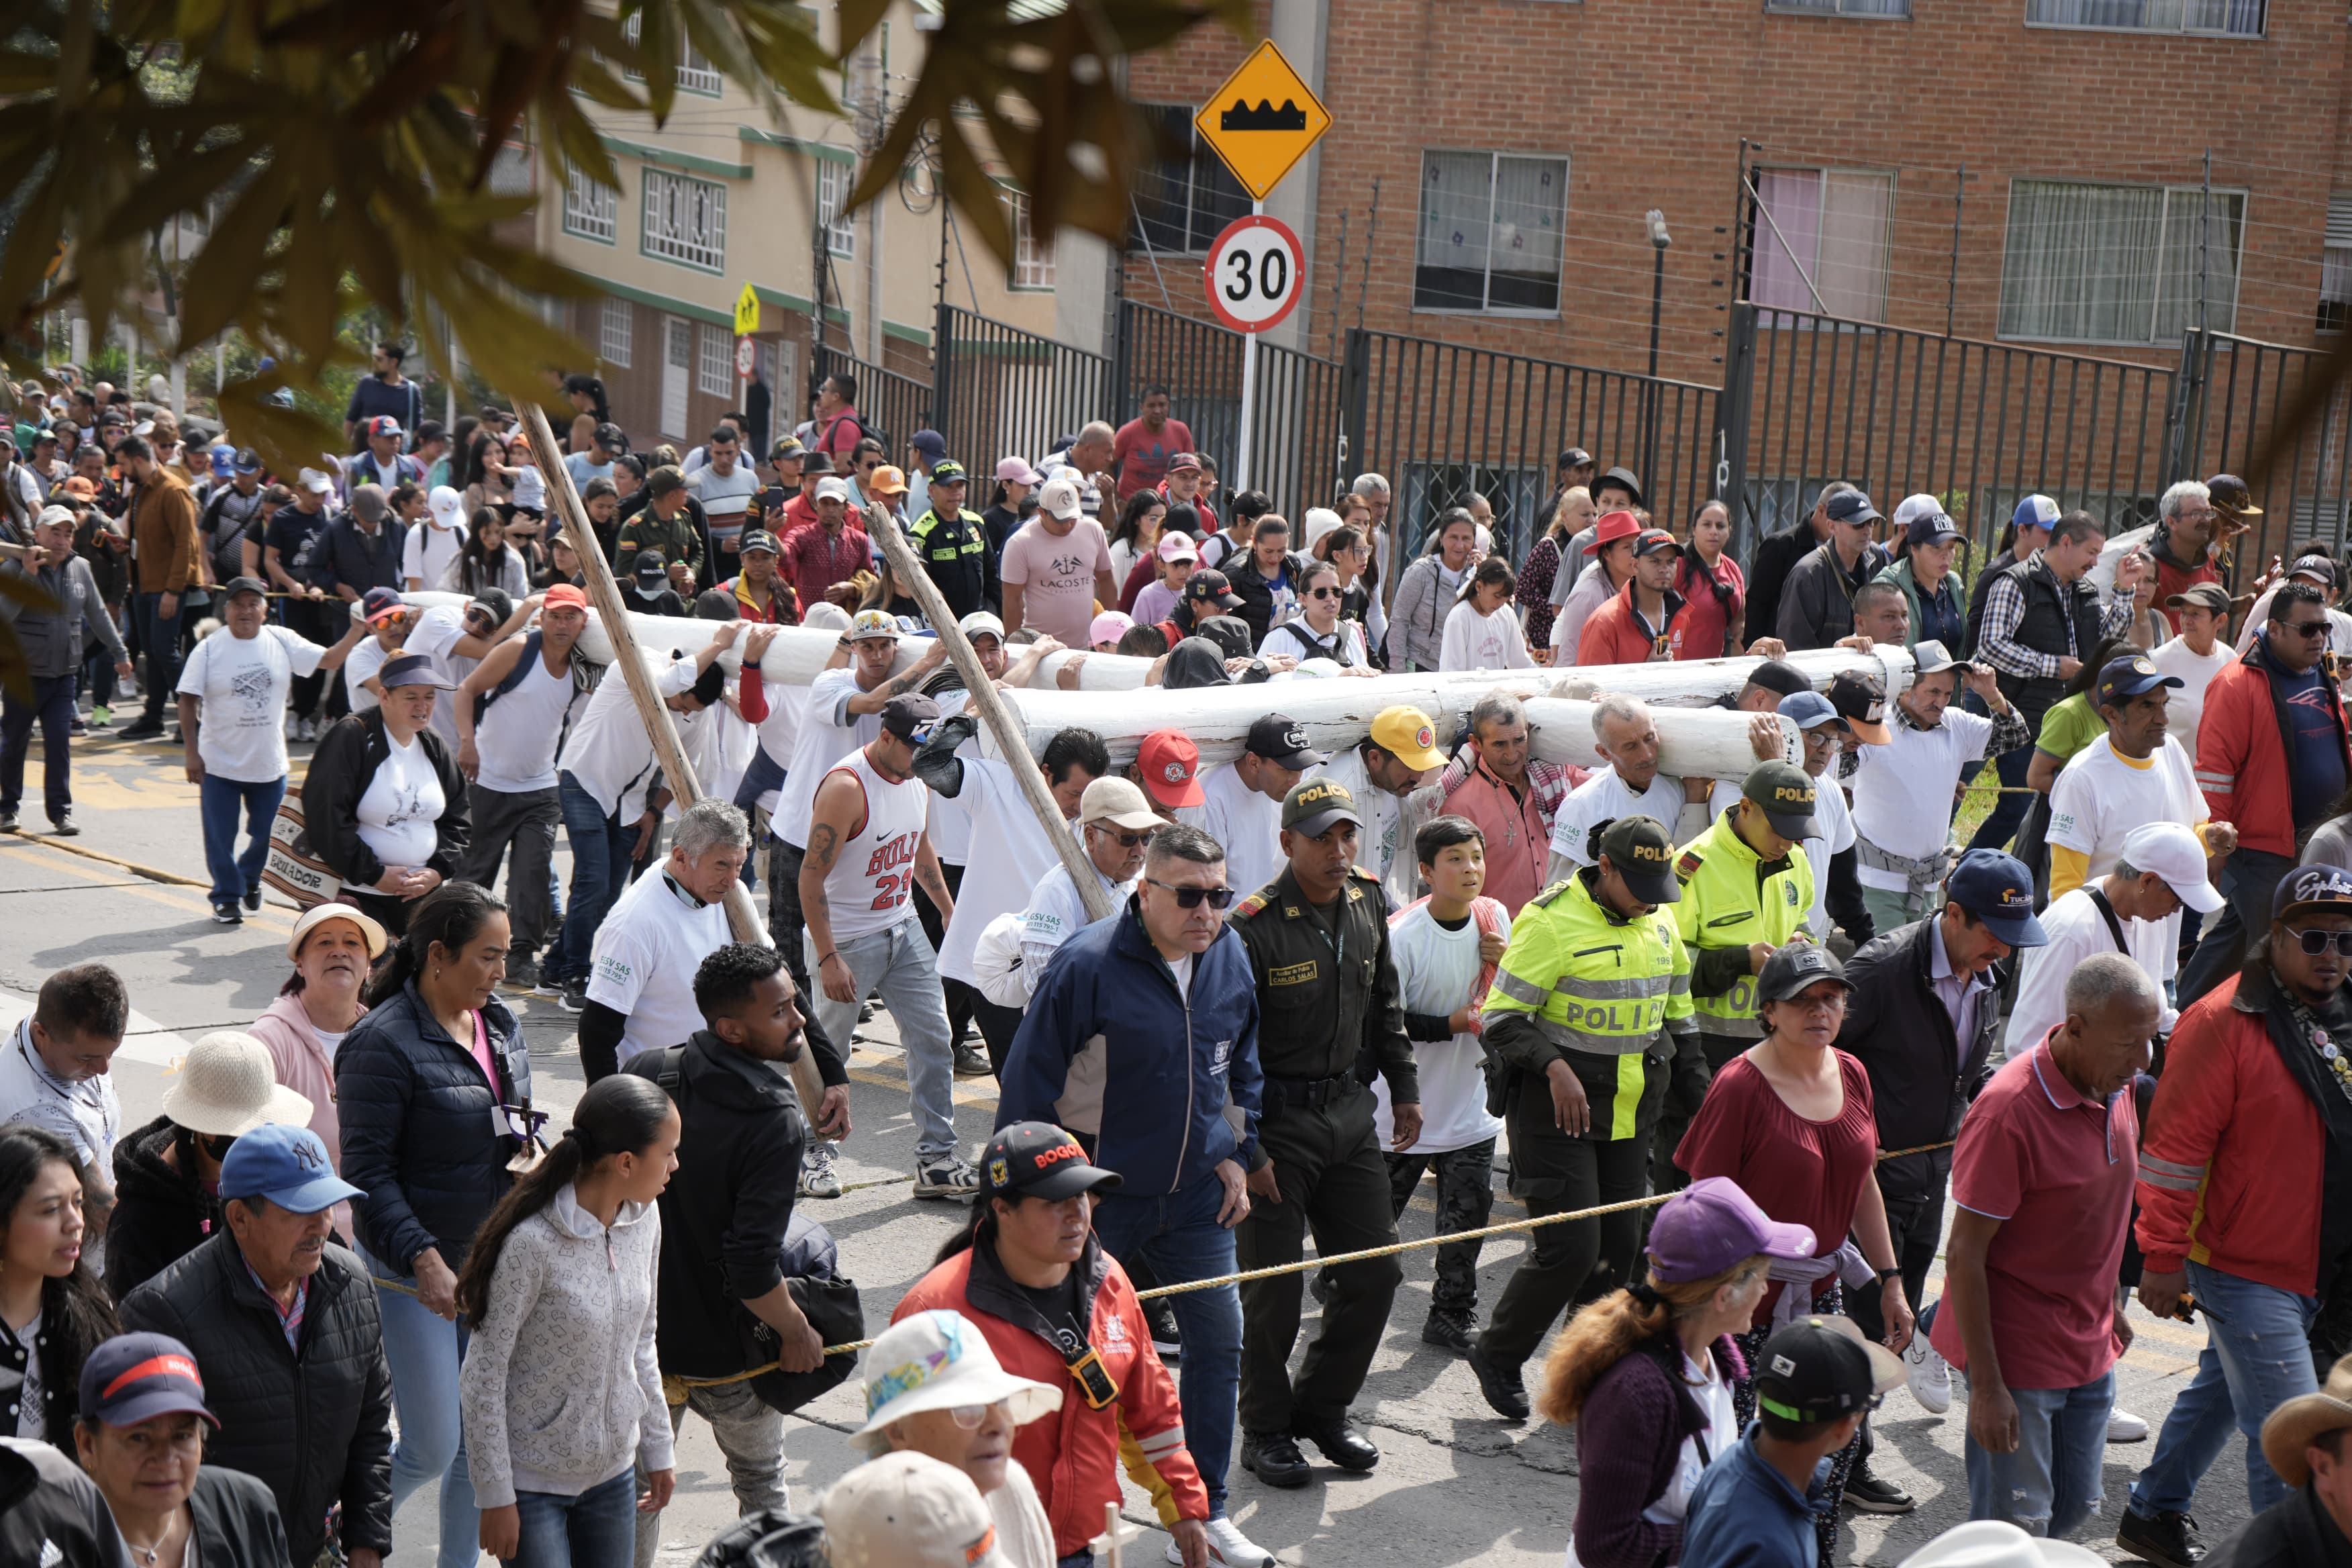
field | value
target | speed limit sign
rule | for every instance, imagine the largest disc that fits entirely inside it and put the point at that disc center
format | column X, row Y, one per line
column 1255, row 273
column 744, row 350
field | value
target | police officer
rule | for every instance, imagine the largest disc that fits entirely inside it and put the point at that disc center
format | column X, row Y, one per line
column 953, row 544
column 1590, row 1004
column 1747, row 889
column 1328, row 1017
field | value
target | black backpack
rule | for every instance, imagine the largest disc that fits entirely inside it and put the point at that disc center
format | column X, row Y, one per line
column 584, row 677
column 770, row 1538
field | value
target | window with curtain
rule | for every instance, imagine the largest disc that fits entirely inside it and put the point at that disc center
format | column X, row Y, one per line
column 1492, row 226
column 1842, row 7
column 2335, row 266
column 2118, row 264
column 1821, row 241
column 618, row 336
column 2231, row 18
column 591, row 210
column 686, row 220
column 1184, row 198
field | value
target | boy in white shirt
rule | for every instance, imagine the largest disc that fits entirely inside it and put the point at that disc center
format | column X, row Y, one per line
column 1446, row 947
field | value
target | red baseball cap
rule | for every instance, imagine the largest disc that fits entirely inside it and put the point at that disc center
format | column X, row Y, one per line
column 1169, row 766
column 1611, row 528
column 564, row 594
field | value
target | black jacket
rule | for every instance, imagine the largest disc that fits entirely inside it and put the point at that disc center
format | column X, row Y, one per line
column 728, row 1203
column 47, row 1501
column 2296, row 1531
column 341, row 771
column 1816, row 607
column 1256, row 594
column 1921, row 1077
column 160, row 1214
column 1767, row 569
column 416, row 1128
column 346, row 556
column 314, row 1426
column 235, row 1522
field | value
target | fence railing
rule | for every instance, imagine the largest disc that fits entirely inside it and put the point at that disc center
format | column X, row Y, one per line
column 1296, row 451
column 2233, row 390
column 891, row 401
column 999, row 391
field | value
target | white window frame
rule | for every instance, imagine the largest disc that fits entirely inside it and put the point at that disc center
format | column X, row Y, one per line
column 1860, row 10
column 714, row 361
column 1204, row 173
column 616, row 333
column 1032, row 265
column 592, row 210
column 1494, row 170
column 669, row 197
column 2335, row 309
column 833, row 183
column 2162, row 18
column 2180, row 205
column 1768, row 237
column 696, row 74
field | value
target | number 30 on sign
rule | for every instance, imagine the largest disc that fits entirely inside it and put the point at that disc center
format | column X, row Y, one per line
column 1255, row 273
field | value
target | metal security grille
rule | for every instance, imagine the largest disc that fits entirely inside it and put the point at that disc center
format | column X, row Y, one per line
column 1296, row 453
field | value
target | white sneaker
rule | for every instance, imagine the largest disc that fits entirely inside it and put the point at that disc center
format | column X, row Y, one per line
column 1931, row 1376
column 949, row 1176
column 1228, row 1547
column 2123, row 1427
column 818, row 1178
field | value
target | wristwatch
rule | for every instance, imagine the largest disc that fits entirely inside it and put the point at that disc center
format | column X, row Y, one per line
column 1886, row 1274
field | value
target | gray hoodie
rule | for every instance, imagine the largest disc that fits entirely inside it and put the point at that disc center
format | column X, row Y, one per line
column 562, row 1387
column 52, row 638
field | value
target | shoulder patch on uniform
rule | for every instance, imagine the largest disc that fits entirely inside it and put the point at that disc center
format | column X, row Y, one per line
column 1544, row 899
column 1687, row 863
column 1250, row 905
column 1362, row 875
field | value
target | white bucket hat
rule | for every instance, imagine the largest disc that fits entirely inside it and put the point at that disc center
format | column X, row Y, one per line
column 1996, row 1544
column 371, row 929
column 227, row 1084
column 936, row 1361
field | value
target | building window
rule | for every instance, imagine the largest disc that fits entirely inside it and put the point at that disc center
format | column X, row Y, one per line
column 591, row 210
column 686, row 220
column 1842, row 7
column 1490, row 232
column 695, row 71
column 714, row 362
column 1821, row 241
column 833, row 185
column 2336, row 266
column 618, row 333
column 2118, row 264
column 1033, row 264
column 2230, row 18
column 1185, row 198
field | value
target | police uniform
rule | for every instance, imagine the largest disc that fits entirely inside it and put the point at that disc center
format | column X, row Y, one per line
column 1329, row 1016
column 1610, row 996
column 954, row 551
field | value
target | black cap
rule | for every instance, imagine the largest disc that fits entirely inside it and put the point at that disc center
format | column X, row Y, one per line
column 1315, row 806
column 2326, row 889
column 1796, row 967
column 650, row 568
column 908, row 715
column 1861, row 700
column 236, row 586
column 1933, row 527
column 1038, row 1160
column 1779, row 678
column 2121, row 680
column 2230, row 491
column 1851, row 507
column 1823, row 1369
column 612, row 438
column 1575, row 458
column 1651, row 541
column 1644, row 855
column 1280, row 740
column 1210, row 586
column 1786, row 793
column 1230, row 633
column 757, row 539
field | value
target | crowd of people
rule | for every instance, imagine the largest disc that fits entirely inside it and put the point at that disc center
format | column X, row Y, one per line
column 2086, row 1046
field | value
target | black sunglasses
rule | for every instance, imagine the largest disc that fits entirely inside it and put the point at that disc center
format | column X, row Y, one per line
column 1134, row 841
column 1190, row 898
column 2315, row 943
column 2305, row 628
column 1323, row 592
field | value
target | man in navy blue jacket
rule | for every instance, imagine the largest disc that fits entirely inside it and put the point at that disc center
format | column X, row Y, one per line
column 1141, row 1039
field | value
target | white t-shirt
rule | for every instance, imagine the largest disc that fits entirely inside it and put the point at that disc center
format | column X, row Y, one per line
column 429, row 553
column 1835, row 819
column 1056, row 914
column 1604, row 797
column 398, row 812
column 518, row 734
column 244, row 683
column 608, row 752
column 1472, row 641
column 85, row 1114
column 779, row 731
column 1902, row 791
column 1010, row 856
column 642, row 964
column 1023, row 1534
column 2099, row 798
column 1706, row 1383
column 1437, row 970
column 1245, row 822
column 2078, row 930
column 435, row 636
column 1297, row 640
column 365, row 662
column 2183, row 709
column 829, row 732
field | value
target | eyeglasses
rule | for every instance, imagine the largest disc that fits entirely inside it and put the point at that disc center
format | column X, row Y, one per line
column 1132, row 841
column 2303, row 628
column 970, row 1417
column 2315, row 943
column 1190, row 898
column 1322, row 593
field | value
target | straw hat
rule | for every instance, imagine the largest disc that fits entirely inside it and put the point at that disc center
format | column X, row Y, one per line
column 2292, row 1427
column 227, row 1084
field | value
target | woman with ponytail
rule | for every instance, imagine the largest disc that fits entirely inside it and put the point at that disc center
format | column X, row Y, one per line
column 1646, row 1373
column 561, row 1393
column 1714, row 592
column 432, row 1087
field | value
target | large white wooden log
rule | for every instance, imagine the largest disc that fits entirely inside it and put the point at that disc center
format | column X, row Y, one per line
column 1700, row 682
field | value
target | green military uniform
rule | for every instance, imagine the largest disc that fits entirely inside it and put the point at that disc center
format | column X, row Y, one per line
column 1329, row 1015
column 1610, row 997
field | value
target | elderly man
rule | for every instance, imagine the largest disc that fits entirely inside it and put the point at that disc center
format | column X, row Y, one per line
column 50, row 635
column 1087, row 464
column 2182, row 546
column 1777, row 554
column 1819, row 601
column 2134, row 909
column 284, row 1326
column 1628, row 784
column 1509, row 793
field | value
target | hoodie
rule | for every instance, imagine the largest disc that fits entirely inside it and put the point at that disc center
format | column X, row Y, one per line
column 160, row 1214
column 1193, row 663
column 304, row 1063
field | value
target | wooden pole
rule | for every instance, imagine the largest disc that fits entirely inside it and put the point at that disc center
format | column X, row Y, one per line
column 742, row 915
column 1011, row 740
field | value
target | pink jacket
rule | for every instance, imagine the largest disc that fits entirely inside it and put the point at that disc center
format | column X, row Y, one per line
column 306, row 1065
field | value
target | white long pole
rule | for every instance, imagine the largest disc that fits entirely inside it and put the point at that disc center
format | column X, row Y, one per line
column 1249, row 386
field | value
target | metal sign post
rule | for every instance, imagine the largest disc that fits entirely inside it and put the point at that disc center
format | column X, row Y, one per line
column 1256, row 273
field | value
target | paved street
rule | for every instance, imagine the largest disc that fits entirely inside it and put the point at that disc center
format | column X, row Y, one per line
column 1455, row 1484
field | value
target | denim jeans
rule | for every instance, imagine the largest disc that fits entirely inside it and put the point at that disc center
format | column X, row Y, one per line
column 219, row 801
column 600, row 869
column 750, row 1437
column 764, row 775
column 2252, row 1363
column 902, row 966
column 2050, row 1484
column 159, row 638
column 1178, row 1237
column 2247, row 879
column 52, row 708
column 597, row 1529
column 424, row 1353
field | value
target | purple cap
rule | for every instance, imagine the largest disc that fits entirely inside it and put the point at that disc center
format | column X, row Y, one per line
column 1712, row 1225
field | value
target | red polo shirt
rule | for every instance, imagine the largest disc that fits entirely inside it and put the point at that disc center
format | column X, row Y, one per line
column 2056, row 1169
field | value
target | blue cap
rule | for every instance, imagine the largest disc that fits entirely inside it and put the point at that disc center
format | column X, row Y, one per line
column 2035, row 511
column 1851, row 507
column 1998, row 891
column 287, row 1165
column 1811, row 709
column 132, row 1378
column 224, row 461
column 2121, row 680
column 930, row 443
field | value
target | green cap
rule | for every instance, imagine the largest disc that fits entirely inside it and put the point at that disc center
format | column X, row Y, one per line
column 1644, row 855
column 1785, row 790
column 1315, row 805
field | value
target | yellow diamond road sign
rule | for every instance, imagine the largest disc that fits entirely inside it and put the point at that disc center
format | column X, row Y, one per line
column 1262, row 119
column 747, row 312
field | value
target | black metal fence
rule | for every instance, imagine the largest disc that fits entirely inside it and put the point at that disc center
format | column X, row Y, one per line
column 999, row 391
column 2233, row 389
column 1296, row 454
column 892, row 404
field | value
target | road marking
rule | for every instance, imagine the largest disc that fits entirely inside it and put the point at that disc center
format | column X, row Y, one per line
column 145, row 1040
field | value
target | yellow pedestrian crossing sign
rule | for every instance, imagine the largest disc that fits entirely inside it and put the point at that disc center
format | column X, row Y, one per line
column 1261, row 119
column 747, row 312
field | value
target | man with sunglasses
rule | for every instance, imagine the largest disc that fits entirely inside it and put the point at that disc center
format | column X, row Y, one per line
column 2244, row 1177
column 2271, row 758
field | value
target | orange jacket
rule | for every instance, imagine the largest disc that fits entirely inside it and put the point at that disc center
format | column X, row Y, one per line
column 1074, row 1454
column 1614, row 634
column 2231, row 1169
column 2243, row 750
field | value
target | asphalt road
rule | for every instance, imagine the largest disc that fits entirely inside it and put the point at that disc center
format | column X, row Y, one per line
column 1455, row 1485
